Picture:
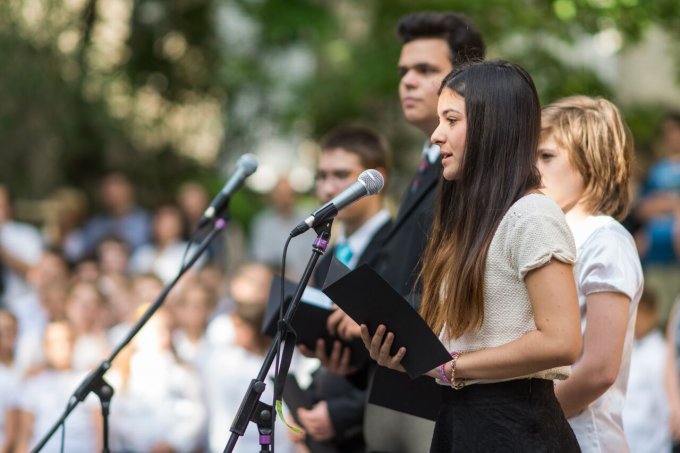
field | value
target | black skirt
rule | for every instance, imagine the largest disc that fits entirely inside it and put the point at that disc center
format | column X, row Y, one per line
column 514, row 416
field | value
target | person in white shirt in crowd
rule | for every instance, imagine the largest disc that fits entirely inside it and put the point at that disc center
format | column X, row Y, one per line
column 231, row 367
column 67, row 212
column 117, row 291
column 144, row 289
column 45, row 396
column 113, row 255
column 214, row 277
column 270, row 228
column 20, row 249
column 249, row 283
column 86, row 269
column 86, row 312
column 157, row 405
column 9, row 382
column 49, row 280
column 193, row 309
column 164, row 256
column 672, row 372
column 229, row 247
column 120, row 217
column 585, row 158
column 646, row 419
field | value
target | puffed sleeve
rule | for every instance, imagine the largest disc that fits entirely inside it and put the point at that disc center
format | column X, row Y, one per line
column 539, row 234
column 609, row 263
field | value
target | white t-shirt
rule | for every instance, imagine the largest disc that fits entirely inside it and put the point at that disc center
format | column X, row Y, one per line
column 646, row 413
column 228, row 374
column 25, row 243
column 46, row 396
column 190, row 352
column 160, row 403
column 164, row 263
column 607, row 262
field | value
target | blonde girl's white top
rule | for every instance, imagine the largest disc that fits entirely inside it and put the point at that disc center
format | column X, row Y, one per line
column 531, row 234
column 607, row 262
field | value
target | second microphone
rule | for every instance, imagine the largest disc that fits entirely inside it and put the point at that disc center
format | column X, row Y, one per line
column 370, row 182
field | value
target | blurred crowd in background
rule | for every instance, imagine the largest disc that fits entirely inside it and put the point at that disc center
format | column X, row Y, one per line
column 73, row 286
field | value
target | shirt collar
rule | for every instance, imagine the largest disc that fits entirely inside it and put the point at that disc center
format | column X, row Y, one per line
column 431, row 151
column 360, row 239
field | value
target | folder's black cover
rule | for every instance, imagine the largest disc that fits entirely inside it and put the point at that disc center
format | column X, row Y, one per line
column 309, row 322
column 368, row 299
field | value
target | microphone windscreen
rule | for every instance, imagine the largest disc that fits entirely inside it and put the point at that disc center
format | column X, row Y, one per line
column 372, row 180
column 248, row 162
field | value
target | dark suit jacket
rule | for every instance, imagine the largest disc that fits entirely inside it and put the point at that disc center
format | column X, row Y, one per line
column 369, row 256
column 400, row 257
column 345, row 399
column 399, row 264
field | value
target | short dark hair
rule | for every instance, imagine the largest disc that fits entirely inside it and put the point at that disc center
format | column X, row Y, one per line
column 464, row 40
column 371, row 147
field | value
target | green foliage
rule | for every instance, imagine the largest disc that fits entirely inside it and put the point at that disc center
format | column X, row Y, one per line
column 57, row 125
column 47, row 133
column 192, row 66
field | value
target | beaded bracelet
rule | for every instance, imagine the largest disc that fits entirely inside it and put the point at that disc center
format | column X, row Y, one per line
column 441, row 370
column 452, row 380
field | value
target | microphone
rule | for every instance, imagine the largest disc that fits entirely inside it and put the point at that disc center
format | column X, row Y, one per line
column 245, row 166
column 369, row 182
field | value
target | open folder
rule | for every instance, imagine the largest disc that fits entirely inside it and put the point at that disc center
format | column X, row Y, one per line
column 368, row 299
column 309, row 321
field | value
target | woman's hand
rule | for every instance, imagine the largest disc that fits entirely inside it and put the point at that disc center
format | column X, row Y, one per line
column 379, row 347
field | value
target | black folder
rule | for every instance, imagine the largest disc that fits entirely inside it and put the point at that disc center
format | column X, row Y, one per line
column 309, row 321
column 368, row 299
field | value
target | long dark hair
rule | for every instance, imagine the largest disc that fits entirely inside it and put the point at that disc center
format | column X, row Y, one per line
column 498, row 167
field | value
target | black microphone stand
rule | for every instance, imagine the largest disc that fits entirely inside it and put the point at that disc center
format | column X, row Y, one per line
column 252, row 409
column 94, row 382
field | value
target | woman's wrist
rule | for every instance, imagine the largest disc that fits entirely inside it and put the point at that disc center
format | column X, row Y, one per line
column 449, row 370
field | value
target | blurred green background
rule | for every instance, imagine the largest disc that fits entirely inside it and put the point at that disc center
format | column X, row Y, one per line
column 167, row 90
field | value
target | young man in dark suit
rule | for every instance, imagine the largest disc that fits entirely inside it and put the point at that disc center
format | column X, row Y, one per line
column 433, row 43
column 336, row 419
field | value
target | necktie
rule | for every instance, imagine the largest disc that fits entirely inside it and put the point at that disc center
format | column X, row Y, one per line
column 343, row 253
column 422, row 168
